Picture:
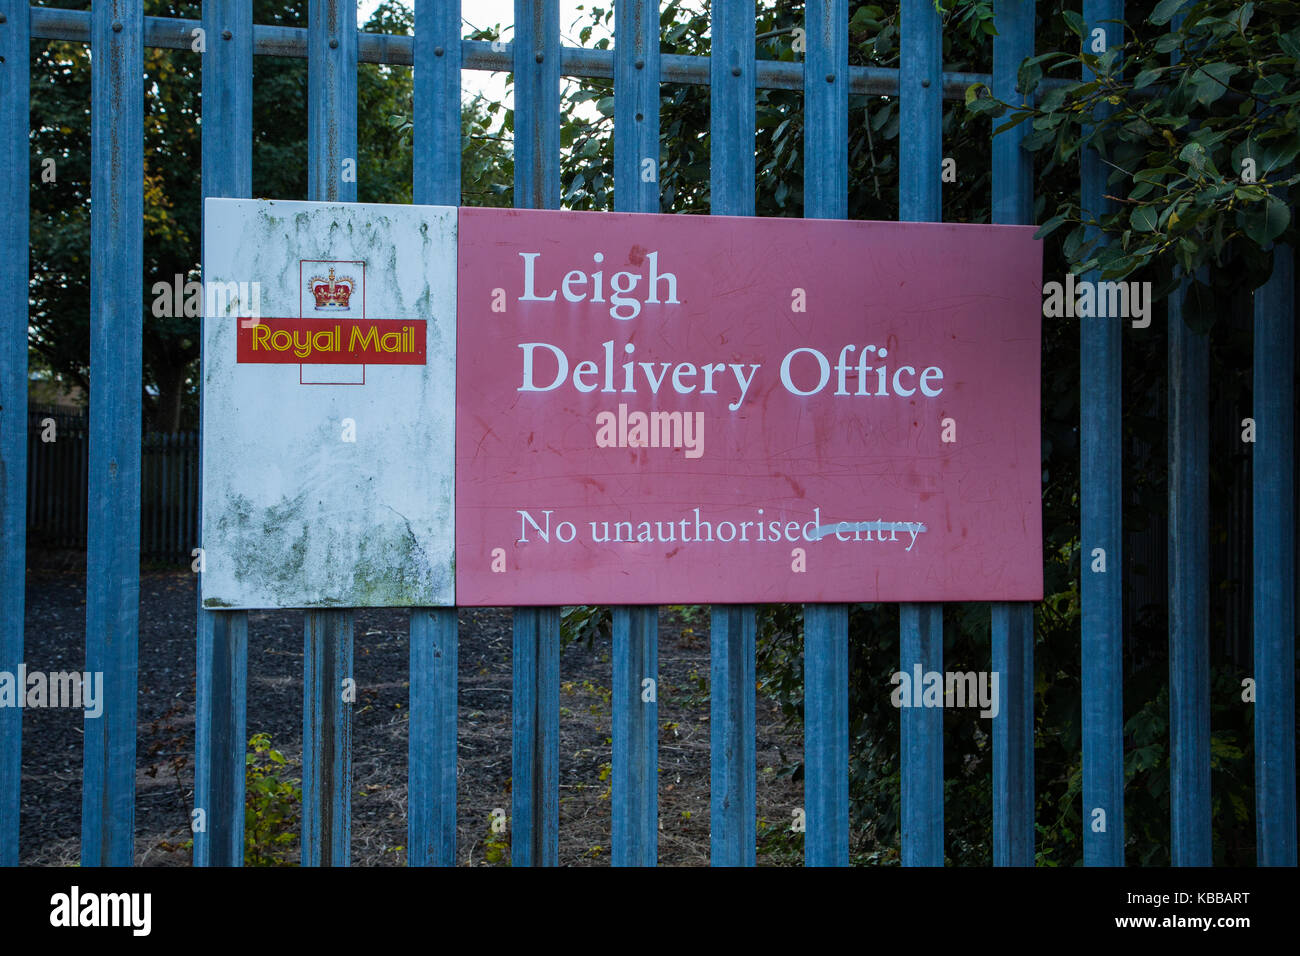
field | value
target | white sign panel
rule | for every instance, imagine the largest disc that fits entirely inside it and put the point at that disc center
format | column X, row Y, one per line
column 329, row 372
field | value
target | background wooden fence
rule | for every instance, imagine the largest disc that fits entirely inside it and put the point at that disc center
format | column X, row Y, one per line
column 118, row 32
column 56, row 488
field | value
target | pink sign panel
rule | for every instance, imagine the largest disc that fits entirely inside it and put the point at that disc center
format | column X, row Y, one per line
column 663, row 409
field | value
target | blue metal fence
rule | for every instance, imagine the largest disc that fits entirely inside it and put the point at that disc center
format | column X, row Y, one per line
column 333, row 47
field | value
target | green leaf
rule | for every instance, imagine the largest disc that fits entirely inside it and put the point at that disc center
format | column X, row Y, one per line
column 1243, row 15
column 1028, row 75
column 1156, row 175
column 1074, row 243
column 1013, row 122
column 1037, row 139
column 1074, row 22
column 1193, row 154
column 1052, row 99
column 1165, row 10
column 1168, row 42
column 1264, row 222
column 1290, row 43
column 1143, row 218
column 1147, row 77
column 1269, row 85
column 1275, row 154
column 1047, row 228
column 1211, row 81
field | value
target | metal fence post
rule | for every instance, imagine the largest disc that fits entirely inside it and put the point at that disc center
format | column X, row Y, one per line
column 1101, row 533
column 733, row 820
column 635, row 785
column 327, row 634
column 535, row 813
column 431, row 790
column 826, row 627
column 920, row 96
column 15, row 95
column 1275, row 567
column 1013, row 623
column 113, row 517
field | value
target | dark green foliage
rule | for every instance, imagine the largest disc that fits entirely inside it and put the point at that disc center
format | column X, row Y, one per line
column 272, row 806
column 1200, row 125
column 60, row 215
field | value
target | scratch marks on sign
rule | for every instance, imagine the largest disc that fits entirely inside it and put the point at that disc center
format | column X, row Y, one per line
column 879, row 527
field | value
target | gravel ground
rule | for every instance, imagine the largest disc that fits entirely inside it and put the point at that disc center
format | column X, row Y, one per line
column 52, row 738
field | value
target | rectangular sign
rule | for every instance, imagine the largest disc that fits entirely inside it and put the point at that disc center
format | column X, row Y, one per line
column 329, row 362
column 657, row 409
column 331, row 341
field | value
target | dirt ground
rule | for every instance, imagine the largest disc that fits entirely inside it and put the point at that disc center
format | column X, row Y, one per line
column 52, row 738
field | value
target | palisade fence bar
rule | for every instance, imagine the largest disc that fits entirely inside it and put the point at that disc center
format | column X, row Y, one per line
column 1275, row 567
column 1189, row 613
column 327, row 634
column 113, row 497
column 333, row 47
column 634, row 830
column 1013, row 623
column 733, row 769
column 920, row 112
column 826, row 628
column 1100, row 533
column 431, row 793
column 15, row 67
column 221, row 644
column 535, row 699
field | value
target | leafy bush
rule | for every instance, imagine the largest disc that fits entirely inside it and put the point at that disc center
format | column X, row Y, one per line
column 1198, row 121
column 272, row 806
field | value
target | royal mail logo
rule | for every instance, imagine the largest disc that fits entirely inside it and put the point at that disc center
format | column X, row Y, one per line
column 334, row 344
column 331, row 292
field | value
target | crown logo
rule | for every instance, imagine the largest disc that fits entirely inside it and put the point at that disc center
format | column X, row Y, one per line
column 332, row 293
